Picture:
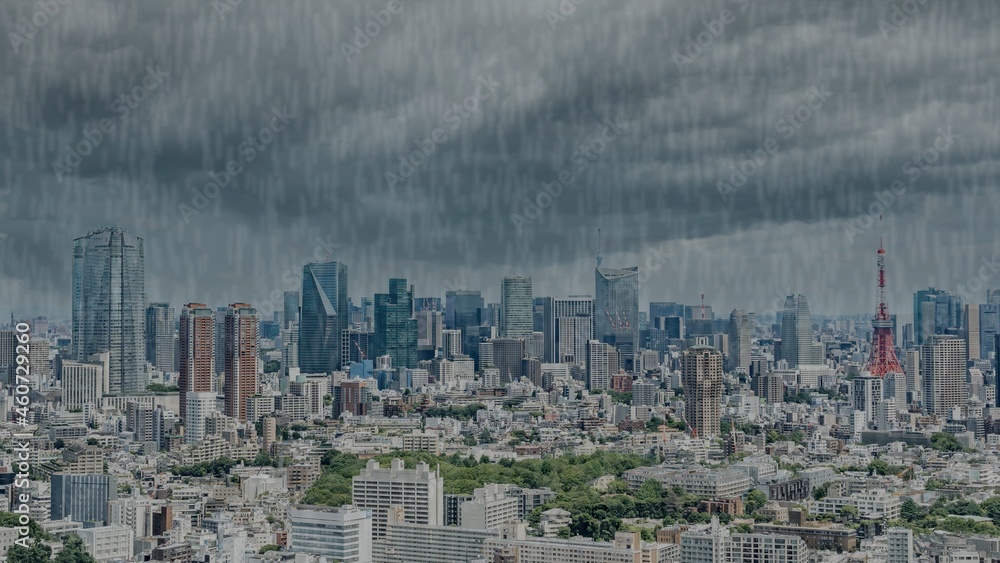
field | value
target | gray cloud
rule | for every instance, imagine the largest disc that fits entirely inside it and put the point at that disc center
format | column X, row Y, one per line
column 323, row 176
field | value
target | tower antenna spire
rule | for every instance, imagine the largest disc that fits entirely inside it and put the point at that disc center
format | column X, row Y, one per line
column 882, row 359
column 598, row 247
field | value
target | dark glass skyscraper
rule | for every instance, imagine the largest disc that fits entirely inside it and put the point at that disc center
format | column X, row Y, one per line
column 395, row 327
column 934, row 312
column 323, row 316
column 616, row 308
column 290, row 312
column 109, row 304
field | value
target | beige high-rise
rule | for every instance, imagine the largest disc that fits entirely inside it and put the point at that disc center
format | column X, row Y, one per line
column 701, row 376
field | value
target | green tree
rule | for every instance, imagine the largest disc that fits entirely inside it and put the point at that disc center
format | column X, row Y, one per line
column 945, row 442
column 268, row 547
column 755, row 500
column 37, row 553
column 653, row 424
column 651, row 489
column 849, row 512
column 74, row 551
column 59, row 444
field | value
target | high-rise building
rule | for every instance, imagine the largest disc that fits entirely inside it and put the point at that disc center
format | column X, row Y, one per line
column 160, row 336
column 989, row 327
column 462, row 308
column 451, row 342
column 507, row 355
column 796, row 333
column 973, row 333
column 323, row 316
column 198, row 406
column 516, row 307
column 290, row 312
column 430, row 324
column 490, row 507
column 109, row 303
column 867, row 395
column 573, row 335
column 934, row 312
column 740, row 329
column 701, row 377
column 601, row 364
column 339, row 534
column 665, row 309
column 395, row 327
column 351, row 397
column 197, row 352
column 220, row 339
column 82, row 498
column 558, row 345
column 242, row 341
column 419, row 491
column 616, row 309
column 899, row 545
column 942, row 373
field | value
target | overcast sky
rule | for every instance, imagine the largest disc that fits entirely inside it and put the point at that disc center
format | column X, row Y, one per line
column 838, row 99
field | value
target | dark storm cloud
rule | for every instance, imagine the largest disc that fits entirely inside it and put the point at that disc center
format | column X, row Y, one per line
column 697, row 86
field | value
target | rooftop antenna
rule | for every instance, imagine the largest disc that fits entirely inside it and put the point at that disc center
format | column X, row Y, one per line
column 598, row 247
column 702, row 305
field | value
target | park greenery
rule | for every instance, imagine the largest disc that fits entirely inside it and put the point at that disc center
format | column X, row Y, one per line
column 161, row 388
column 945, row 443
column 452, row 411
column 220, row 467
column 948, row 515
column 596, row 514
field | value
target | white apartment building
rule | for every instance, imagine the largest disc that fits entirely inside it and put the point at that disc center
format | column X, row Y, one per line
column 417, row 543
column 108, row 543
column 626, row 548
column 342, row 534
column 490, row 507
column 420, row 492
column 83, row 383
column 200, row 406
column 874, row 505
column 713, row 543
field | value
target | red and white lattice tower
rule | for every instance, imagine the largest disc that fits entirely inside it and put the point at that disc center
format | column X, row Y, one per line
column 882, row 359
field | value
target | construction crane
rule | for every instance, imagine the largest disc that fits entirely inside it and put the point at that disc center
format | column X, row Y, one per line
column 702, row 305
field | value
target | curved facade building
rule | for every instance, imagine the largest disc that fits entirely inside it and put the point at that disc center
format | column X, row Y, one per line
column 109, row 305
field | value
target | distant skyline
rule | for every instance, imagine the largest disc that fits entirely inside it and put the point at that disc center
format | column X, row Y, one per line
column 832, row 116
